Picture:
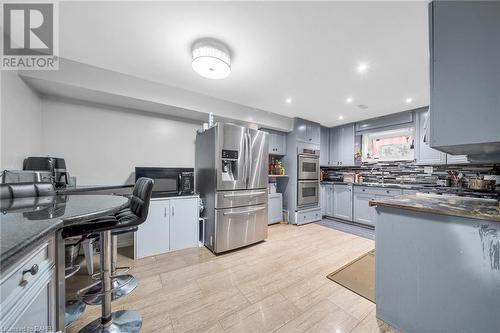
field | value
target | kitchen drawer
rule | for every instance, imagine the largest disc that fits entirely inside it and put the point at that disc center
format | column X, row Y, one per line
column 377, row 190
column 308, row 216
column 14, row 283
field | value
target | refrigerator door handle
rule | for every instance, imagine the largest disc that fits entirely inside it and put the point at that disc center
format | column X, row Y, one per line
column 248, row 162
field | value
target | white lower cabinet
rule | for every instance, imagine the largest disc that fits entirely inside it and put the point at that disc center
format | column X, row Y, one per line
column 28, row 292
column 183, row 223
column 275, row 208
column 342, row 202
column 172, row 224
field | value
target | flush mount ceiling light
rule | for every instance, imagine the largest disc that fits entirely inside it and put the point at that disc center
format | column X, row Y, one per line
column 348, row 100
column 362, row 67
column 408, row 100
column 341, row 117
column 289, row 100
column 211, row 59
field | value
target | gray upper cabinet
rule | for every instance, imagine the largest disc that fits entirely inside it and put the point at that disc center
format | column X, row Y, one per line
column 277, row 142
column 324, row 150
column 456, row 159
column 424, row 154
column 465, row 77
column 342, row 145
column 385, row 121
column 307, row 131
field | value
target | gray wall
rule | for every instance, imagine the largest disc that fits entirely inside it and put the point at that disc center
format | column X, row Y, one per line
column 21, row 121
column 103, row 144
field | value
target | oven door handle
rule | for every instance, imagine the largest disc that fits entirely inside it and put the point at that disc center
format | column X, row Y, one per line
column 244, row 194
column 248, row 211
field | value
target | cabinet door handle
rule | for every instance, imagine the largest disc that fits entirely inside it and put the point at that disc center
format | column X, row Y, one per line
column 33, row 270
column 165, row 211
column 173, row 210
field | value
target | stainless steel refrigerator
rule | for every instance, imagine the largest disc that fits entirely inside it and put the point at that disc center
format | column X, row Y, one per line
column 231, row 176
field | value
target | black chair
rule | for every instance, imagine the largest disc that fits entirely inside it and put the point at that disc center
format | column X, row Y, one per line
column 126, row 220
column 26, row 190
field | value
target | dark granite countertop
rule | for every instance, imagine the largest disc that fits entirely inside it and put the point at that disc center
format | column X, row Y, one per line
column 25, row 222
column 484, row 209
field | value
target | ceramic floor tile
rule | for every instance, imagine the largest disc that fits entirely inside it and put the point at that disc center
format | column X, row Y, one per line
column 357, row 306
column 322, row 317
column 370, row 324
column 264, row 316
column 279, row 284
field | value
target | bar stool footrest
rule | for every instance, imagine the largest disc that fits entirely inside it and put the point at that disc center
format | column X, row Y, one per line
column 123, row 321
column 122, row 285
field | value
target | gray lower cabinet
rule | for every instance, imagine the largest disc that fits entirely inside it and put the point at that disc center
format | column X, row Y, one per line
column 172, row 224
column 28, row 292
column 362, row 212
column 275, row 208
column 322, row 198
column 328, row 200
column 342, row 202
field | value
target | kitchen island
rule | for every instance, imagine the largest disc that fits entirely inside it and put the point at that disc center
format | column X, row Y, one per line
column 32, row 275
column 438, row 263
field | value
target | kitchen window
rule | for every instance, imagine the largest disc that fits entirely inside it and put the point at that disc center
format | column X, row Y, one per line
column 391, row 145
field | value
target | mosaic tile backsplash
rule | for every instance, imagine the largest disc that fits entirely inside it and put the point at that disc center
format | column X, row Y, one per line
column 410, row 173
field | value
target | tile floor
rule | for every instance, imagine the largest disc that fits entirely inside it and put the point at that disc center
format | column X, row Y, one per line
column 279, row 285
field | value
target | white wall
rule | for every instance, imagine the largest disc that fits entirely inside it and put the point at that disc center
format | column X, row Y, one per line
column 21, row 121
column 103, row 144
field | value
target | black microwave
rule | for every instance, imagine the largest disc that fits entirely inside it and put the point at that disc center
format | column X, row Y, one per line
column 168, row 181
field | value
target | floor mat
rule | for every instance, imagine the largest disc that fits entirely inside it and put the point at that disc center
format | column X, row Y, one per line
column 358, row 276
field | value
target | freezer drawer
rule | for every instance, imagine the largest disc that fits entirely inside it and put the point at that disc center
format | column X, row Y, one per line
column 237, row 227
column 231, row 199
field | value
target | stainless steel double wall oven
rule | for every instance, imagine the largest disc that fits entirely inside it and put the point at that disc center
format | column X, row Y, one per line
column 308, row 170
column 231, row 175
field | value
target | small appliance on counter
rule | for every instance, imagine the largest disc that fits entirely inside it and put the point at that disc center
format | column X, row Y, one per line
column 51, row 169
column 168, row 181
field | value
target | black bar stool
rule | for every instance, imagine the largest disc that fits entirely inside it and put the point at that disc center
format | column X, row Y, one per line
column 126, row 220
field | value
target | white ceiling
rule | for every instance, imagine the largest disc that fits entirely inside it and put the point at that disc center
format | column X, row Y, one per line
column 306, row 51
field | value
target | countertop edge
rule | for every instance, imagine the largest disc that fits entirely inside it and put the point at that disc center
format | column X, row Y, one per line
column 382, row 203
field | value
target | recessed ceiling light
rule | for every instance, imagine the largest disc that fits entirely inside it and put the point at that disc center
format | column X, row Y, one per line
column 341, row 117
column 408, row 100
column 348, row 100
column 288, row 100
column 211, row 59
column 362, row 67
